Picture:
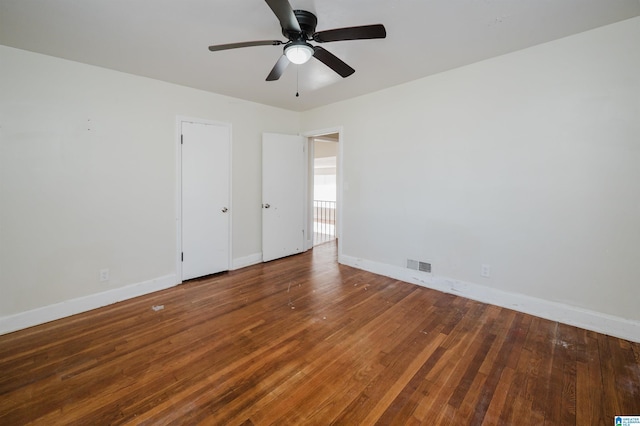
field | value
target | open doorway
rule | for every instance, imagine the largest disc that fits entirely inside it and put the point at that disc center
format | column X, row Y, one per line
column 325, row 190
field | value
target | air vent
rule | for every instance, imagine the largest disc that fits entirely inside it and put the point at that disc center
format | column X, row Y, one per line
column 424, row 267
column 419, row 266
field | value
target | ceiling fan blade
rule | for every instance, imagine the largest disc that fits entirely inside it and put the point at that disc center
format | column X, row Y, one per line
column 351, row 33
column 278, row 68
column 285, row 15
column 244, row 44
column 332, row 61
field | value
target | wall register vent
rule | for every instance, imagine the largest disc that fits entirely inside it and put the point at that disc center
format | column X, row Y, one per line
column 419, row 266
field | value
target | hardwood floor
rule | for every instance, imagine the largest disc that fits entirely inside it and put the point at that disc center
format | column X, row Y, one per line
column 303, row 340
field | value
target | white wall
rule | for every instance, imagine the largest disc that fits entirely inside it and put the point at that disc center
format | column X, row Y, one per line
column 88, row 180
column 529, row 162
column 325, row 170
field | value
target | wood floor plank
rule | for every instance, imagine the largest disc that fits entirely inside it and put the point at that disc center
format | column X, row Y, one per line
column 303, row 340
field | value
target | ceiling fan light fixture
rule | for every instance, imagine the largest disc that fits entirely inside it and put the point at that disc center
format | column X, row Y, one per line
column 298, row 52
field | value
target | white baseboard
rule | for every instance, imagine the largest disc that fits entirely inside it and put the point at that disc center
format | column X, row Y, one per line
column 67, row 308
column 554, row 311
column 243, row 262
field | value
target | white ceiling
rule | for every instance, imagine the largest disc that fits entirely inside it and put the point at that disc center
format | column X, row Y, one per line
column 168, row 39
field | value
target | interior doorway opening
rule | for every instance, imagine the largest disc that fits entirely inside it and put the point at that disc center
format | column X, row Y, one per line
column 325, row 189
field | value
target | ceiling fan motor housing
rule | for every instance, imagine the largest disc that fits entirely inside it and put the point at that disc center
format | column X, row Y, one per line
column 307, row 21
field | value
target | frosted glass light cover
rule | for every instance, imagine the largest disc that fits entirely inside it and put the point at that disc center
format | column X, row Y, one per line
column 299, row 53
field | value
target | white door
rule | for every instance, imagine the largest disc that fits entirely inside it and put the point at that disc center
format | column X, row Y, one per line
column 205, row 167
column 283, row 195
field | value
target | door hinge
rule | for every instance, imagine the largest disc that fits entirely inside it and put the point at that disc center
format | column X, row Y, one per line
column 181, row 139
column 182, row 256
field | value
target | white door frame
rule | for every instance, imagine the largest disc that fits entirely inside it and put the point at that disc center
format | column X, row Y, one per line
column 310, row 135
column 178, row 146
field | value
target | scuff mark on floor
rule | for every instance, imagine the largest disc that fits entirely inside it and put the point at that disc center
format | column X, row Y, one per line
column 290, row 301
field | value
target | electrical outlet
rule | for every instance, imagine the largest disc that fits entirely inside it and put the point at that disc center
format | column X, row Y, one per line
column 104, row 274
column 485, row 271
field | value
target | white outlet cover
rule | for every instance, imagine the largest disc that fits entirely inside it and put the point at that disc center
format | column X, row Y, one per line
column 104, row 275
column 485, row 271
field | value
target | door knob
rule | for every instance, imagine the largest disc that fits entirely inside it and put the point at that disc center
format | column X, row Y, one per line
column 266, row 206
column 224, row 210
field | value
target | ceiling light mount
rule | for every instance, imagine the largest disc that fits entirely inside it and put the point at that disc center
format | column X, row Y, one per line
column 298, row 52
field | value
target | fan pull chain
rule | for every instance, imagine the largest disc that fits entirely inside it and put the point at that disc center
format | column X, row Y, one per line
column 297, row 80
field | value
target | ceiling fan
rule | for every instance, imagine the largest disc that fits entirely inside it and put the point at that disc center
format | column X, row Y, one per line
column 299, row 27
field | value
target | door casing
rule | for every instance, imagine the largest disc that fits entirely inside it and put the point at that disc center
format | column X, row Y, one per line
column 340, row 186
